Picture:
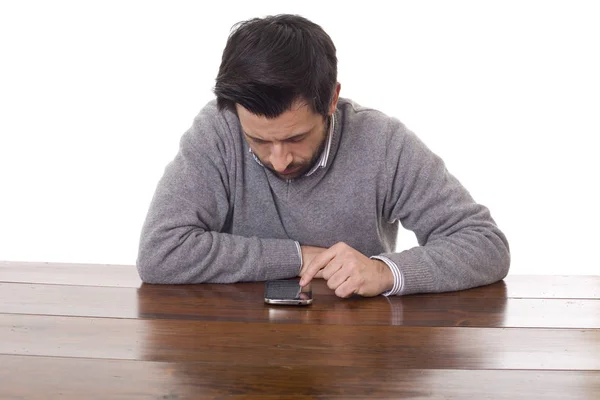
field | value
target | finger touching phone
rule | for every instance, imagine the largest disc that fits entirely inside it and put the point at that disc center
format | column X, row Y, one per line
column 287, row 292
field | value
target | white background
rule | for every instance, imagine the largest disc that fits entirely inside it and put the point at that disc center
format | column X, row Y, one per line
column 94, row 96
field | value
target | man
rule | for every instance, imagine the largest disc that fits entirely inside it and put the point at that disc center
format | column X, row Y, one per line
column 280, row 177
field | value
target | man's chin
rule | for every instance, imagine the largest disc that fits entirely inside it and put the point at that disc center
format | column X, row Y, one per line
column 294, row 174
column 289, row 177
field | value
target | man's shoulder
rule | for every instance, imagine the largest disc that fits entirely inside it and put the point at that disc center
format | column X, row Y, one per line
column 351, row 108
column 213, row 124
column 368, row 122
column 210, row 114
column 213, row 133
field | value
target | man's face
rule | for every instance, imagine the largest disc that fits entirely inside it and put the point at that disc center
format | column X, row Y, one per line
column 288, row 145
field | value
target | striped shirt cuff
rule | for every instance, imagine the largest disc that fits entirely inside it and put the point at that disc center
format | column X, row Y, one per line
column 397, row 276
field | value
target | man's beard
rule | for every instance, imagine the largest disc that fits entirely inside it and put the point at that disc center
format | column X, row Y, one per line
column 303, row 167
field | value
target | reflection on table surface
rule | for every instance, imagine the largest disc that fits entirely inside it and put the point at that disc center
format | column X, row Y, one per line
column 95, row 332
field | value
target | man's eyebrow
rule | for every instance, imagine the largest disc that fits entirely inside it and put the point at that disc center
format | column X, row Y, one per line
column 250, row 136
column 295, row 136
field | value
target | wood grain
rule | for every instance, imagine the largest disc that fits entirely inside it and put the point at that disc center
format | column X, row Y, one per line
column 553, row 286
column 70, row 274
column 35, row 378
column 244, row 303
column 295, row 344
column 76, row 331
column 514, row 286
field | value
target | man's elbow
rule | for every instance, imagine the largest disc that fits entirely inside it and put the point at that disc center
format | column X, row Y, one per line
column 152, row 266
column 502, row 258
column 505, row 265
column 167, row 267
column 148, row 271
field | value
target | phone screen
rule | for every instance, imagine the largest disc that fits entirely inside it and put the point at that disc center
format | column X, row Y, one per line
column 287, row 291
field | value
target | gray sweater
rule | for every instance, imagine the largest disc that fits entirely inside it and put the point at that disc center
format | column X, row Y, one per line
column 218, row 216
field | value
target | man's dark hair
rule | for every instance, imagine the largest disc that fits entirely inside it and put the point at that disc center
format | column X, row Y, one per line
column 269, row 63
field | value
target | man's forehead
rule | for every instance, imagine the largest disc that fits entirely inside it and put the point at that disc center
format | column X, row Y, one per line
column 295, row 121
column 298, row 106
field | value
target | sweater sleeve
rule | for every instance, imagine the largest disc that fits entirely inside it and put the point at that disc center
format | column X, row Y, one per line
column 182, row 239
column 460, row 246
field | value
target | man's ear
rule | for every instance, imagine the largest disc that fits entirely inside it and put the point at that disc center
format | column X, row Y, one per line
column 336, row 97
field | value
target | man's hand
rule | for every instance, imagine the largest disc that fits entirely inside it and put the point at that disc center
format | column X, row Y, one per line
column 347, row 271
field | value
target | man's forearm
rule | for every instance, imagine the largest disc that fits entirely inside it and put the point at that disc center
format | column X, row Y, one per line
column 185, row 255
column 464, row 260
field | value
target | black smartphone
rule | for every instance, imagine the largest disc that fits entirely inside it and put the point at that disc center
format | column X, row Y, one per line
column 287, row 292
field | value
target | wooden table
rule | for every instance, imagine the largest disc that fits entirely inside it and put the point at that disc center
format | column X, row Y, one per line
column 73, row 331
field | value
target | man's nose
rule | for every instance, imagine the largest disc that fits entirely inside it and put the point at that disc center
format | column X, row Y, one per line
column 281, row 158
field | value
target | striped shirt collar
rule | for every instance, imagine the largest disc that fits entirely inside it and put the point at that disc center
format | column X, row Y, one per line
column 324, row 155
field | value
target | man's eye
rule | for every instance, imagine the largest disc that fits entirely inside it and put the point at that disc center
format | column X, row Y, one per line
column 259, row 141
column 296, row 139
